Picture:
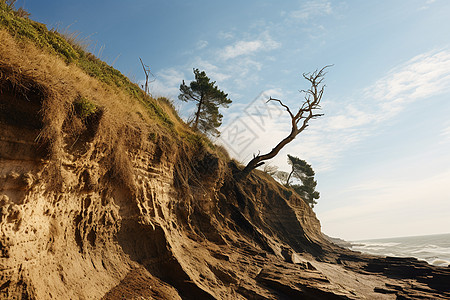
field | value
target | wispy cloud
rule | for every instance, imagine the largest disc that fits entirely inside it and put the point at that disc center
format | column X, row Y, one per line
column 353, row 117
column 202, row 44
column 423, row 76
column 248, row 47
column 427, row 4
column 213, row 71
column 246, row 125
column 312, row 9
column 445, row 134
column 225, row 35
column 241, row 48
column 167, row 83
column 234, row 67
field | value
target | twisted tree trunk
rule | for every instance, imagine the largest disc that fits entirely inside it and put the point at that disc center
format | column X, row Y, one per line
column 313, row 96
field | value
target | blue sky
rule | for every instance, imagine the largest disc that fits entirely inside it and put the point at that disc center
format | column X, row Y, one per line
column 381, row 149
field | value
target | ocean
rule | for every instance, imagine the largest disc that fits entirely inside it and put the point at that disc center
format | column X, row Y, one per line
column 434, row 249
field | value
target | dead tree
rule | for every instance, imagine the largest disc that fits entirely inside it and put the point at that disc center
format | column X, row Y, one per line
column 147, row 74
column 299, row 121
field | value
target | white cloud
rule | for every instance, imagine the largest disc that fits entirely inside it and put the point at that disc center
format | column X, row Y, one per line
column 353, row 117
column 249, row 128
column 324, row 142
column 171, row 76
column 167, row 83
column 427, row 4
column 202, row 44
column 225, row 35
column 445, row 134
column 211, row 70
column 423, row 76
column 315, row 32
column 274, row 93
column 242, row 48
column 312, row 9
column 245, row 72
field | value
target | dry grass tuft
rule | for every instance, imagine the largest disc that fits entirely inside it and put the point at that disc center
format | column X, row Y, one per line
column 75, row 39
column 72, row 103
column 222, row 152
column 72, row 51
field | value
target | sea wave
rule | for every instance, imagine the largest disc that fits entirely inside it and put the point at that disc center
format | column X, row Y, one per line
column 428, row 249
column 368, row 244
column 433, row 249
column 368, row 248
column 440, row 262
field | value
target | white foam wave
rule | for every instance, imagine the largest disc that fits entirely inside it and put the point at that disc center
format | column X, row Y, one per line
column 391, row 244
column 440, row 262
column 368, row 248
column 432, row 249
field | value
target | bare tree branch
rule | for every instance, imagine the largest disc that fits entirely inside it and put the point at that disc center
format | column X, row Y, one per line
column 281, row 103
column 305, row 113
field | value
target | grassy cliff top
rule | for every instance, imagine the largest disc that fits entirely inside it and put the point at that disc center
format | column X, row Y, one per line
column 24, row 29
column 80, row 98
column 70, row 51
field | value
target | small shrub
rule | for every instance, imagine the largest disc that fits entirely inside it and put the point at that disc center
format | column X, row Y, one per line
column 152, row 137
column 222, row 152
column 166, row 101
column 10, row 3
column 74, row 38
column 22, row 13
column 84, row 108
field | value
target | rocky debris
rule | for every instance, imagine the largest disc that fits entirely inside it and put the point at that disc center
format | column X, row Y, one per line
column 405, row 277
column 429, row 280
column 292, row 283
column 140, row 284
column 340, row 242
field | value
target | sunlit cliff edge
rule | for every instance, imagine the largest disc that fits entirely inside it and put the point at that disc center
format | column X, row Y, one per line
column 106, row 193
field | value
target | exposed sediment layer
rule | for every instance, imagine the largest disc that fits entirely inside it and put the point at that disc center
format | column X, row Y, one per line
column 213, row 239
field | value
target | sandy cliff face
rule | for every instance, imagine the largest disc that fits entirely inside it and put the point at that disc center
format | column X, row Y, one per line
column 182, row 230
column 46, row 234
column 178, row 226
column 185, row 229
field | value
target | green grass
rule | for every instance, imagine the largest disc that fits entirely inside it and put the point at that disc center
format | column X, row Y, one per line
column 24, row 28
column 84, row 108
column 52, row 41
column 198, row 140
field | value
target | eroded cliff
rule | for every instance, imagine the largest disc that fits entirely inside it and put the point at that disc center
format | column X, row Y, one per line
column 107, row 194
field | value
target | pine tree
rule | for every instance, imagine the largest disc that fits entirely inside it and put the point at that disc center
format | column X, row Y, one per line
column 208, row 97
column 300, row 168
column 303, row 171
